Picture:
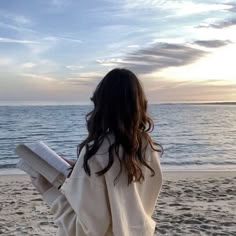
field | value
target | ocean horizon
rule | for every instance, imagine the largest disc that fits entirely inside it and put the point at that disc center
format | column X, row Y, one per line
column 86, row 103
column 194, row 136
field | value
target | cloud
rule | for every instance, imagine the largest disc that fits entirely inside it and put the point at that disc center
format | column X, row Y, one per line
column 39, row 77
column 78, row 82
column 48, row 42
column 233, row 4
column 28, row 65
column 58, row 38
column 16, row 27
column 19, row 23
column 74, row 67
column 212, row 43
column 162, row 55
column 176, row 8
column 157, row 56
column 184, row 8
column 19, row 41
column 224, row 24
column 14, row 18
column 133, row 46
column 149, row 10
column 109, row 62
column 41, row 67
column 5, row 61
column 89, row 79
column 21, row 20
column 167, row 91
column 219, row 25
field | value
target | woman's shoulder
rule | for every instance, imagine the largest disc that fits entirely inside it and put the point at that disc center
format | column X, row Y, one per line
column 100, row 158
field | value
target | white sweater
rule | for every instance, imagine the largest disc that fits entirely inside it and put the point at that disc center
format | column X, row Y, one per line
column 94, row 206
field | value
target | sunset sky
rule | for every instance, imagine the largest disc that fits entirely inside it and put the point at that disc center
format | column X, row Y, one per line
column 58, row 50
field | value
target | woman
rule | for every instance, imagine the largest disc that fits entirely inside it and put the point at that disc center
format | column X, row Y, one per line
column 116, row 180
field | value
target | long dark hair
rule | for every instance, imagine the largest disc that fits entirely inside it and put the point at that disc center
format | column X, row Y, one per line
column 120, row 109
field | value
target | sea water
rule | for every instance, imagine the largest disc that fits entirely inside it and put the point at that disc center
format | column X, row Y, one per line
column 199, row 137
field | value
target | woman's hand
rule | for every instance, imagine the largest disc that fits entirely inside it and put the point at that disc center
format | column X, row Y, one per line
column 41, row 184
column 71, row 162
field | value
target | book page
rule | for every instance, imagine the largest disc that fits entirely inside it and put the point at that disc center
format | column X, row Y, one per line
column 50, row 156
column 40, row 166
column 23, row 165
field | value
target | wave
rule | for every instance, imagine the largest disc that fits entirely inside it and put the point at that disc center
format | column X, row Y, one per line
column 163, row 163
column 7, row 166
column 187, row 163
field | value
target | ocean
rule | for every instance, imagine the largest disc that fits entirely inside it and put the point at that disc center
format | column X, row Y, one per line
column 194, row 137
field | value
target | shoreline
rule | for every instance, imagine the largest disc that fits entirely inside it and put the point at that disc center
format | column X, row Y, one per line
column 169, row 173
column 200, row 174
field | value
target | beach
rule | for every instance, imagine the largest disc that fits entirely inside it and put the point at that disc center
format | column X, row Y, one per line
column 190, row 203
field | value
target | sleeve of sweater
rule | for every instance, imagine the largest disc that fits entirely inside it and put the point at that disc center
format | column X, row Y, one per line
column 83, row 209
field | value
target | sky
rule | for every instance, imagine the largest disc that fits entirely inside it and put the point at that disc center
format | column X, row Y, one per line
column 58, row 50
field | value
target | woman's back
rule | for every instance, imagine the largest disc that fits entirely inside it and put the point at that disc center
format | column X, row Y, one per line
column 132, row 205
column 113, row 209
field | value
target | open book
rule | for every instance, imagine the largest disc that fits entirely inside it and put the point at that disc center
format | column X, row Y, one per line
column 38, row 158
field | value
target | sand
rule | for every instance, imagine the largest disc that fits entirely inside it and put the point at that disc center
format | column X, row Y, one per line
column 191, row 203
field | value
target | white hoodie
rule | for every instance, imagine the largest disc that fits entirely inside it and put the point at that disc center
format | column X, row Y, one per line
column 94, row 206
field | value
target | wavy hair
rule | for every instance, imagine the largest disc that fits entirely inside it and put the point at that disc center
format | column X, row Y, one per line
column 120, row 108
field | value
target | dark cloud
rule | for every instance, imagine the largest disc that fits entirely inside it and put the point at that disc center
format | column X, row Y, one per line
column 233, row 5
column 212, row 43
column 161, row 55
column 220, row 24
column 224, row 24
